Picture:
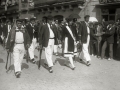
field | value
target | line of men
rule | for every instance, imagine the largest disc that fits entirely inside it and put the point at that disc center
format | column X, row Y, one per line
column 48, row 35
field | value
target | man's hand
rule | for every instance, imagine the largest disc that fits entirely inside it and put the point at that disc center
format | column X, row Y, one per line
column 103, row 32
column 8, row 50
column 28, row 45
column 117, row 42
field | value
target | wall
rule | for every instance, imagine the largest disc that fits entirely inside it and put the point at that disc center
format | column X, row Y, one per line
column 89, row 8
column 65, row 13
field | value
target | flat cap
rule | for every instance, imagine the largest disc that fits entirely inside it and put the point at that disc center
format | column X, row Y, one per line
column 32, row 19
column 86, row 16
column 69, row 19
column 50, row 17
column 19, row 20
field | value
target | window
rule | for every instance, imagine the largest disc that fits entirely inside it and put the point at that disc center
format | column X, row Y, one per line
column 108, row 14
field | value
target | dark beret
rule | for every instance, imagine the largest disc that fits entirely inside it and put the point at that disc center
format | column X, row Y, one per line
column 69, row 19
column 19, row 20
column 50, row 17
column 86, row 16
column 32, row 19
column 111, row 22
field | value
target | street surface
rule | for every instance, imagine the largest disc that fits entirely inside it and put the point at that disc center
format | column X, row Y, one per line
column 101, row 75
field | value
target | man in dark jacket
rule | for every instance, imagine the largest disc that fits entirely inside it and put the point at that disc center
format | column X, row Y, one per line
column 18, row 41
column 32, row 30
column 84, row 31
column 109, row 40
column 47, row 38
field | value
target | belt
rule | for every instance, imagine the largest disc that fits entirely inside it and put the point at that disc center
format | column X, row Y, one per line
column 51, row 38
column 19, row 43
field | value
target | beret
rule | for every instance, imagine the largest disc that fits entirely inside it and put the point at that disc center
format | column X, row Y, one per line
column 50, row 17
column 32, row 19
column 19, row 20
column 86, row 16
column 69, row 19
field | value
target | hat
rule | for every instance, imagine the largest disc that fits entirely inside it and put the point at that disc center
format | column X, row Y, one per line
column 111, row 22
column 86, row 16
column 32, row 19
column 69, row 19
column 50, row 17
column 19, row 20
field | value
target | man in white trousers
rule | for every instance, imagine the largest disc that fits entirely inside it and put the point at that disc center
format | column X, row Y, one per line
column 31, row 31
column 18, row 41
column 84, row 32
column 47, row 40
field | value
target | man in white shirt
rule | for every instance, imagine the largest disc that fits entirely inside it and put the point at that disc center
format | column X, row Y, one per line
column 84, row 32
column 47, row 40
column 18, row 41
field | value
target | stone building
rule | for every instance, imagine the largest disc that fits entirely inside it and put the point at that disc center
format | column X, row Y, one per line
column 108, row 9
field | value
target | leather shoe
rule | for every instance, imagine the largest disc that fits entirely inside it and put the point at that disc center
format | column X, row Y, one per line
column 50, row 70
column 18, row 74
column 88, row 63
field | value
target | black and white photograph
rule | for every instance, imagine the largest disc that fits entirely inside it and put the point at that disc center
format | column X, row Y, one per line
column 59, row 44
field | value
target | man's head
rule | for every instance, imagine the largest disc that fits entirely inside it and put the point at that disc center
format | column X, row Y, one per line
column 32, row 21
column 56, row 21
column 103, row 20
column 87, row 18
column 69, row 20
column 19, row 23
column 8, row 22
column 50, row 19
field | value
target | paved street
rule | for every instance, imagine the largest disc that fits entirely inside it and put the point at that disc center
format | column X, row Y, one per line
column 101, row 75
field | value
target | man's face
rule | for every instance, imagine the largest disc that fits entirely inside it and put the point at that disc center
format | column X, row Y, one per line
column 56, row 22
column 87, row 19
column 103, row 20
column 70, row 22
column 50, row 21
column 19, row 24
column 32, row 22
column 9, row 23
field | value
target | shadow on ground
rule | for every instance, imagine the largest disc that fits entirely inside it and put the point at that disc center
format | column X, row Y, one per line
column 1, row 60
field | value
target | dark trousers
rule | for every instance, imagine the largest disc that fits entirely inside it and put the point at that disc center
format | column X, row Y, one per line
column 93, row 47
column 110, row 51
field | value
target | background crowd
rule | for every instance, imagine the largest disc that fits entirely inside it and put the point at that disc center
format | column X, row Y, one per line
column 104, row 41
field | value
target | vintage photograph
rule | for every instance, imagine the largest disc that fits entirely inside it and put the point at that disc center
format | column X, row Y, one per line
column 59, row 44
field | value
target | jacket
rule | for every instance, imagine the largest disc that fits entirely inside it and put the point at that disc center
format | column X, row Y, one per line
column 11, row 39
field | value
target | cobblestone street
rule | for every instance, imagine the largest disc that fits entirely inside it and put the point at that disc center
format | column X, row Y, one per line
column 101, row 75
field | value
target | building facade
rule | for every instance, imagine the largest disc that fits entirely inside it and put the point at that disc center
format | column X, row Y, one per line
column 107, row 9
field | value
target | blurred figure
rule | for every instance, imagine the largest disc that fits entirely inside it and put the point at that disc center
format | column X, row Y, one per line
column 117, row 50
column 47, row 38
column 99, row 33
column 17, row 42
column 70, row 39
column 109, row 40
column 85, row 39
column 93, row 40
column 31, row 28
column 57, row 41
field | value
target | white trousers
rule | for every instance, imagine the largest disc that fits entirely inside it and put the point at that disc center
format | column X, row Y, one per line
column 18, row 54
column 55, row 48
column 85, row 54
column 49, row 52
column 32, row 48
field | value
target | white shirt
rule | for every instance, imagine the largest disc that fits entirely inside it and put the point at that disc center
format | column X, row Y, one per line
column 51, row 41
column 51, row 32
column 19, row 37
column 9, row 28
column 88, row 29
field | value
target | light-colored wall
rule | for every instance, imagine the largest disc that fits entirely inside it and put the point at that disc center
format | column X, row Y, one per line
column 65, row 13
column 89, row 8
